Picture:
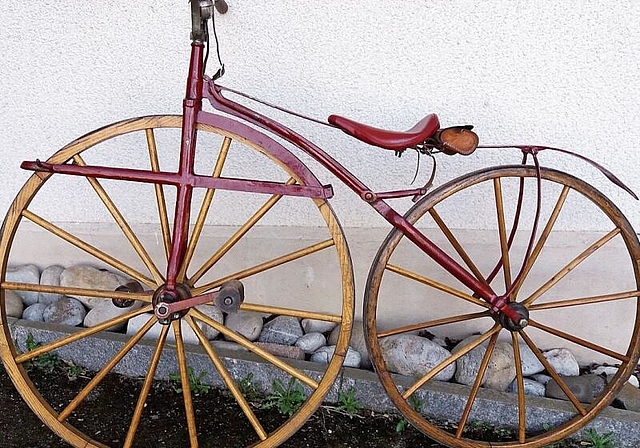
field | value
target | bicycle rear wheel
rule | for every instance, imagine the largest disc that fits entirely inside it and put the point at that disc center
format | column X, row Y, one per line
column 581, row 297
column 234, row 235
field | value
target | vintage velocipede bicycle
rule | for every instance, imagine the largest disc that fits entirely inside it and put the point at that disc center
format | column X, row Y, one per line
column 451, row 289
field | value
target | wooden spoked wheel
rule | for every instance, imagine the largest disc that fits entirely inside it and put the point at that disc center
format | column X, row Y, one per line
column 579, row 289
column 234, row 235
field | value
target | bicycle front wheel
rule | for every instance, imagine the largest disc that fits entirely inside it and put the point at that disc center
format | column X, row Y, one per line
column 580, row 291
column 111, row 271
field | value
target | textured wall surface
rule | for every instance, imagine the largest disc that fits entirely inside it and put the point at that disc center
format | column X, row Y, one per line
column 547, row 72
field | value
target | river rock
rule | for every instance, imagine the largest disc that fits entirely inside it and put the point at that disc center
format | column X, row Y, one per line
column 66, row 311
column 28, row 273
column 50, row 276
column 188, row 335
column 107, row 310
column 468, row 366
column 89, row 277
column 531, row 387
column 610, row 371
column 324, row 354
column 629, row 398
column 563, row 361
column 283, row 351
column 283, row 330
column 34, row 312
column 13, row 304
column 415, row 356
column 531, row 365
column 317, row 326
column 228, row 346
column 214, row 313
column 541, row 378
column 311, row 342
column 502, row 367
column 357, row 342
column 500, row 370
column 584, row 387
column 136, row 323
column 247, row 323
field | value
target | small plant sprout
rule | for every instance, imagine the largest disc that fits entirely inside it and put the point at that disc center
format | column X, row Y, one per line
column 74, row 371
column 416, row 404
column 248, row 389
column 286, row 399
column 195, row 382
column 46, row 362
column 348, row 403
column 596, row 440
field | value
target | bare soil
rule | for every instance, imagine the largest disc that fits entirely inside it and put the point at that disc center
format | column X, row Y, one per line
column 106, row 417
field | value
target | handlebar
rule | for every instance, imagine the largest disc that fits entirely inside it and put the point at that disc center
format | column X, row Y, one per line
column 201, row 11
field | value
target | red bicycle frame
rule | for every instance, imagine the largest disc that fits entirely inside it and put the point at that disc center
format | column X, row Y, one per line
column 200, row 87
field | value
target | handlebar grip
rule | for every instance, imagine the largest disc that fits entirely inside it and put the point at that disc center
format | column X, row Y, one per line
column 221, row 6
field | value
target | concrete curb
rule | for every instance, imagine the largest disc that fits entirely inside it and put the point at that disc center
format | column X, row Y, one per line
column 442, row 401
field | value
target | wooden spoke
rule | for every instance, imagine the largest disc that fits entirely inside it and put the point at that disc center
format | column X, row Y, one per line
column 292, row 256
column 146, row 387
column 237, row 236
column 502, row 229
column 228, row 380
column 97, row 253
column 126, row 229
column 436, row 285
column 543, row 238
column 554, row 374
column 204, row 210
column 433, row 323
column 522, row 409
column 446, row 362
column 236, row 337
column 184, row 380
column 97, row 379
column 579, row 341
column 506, row 195
column 585, row 300
column 160, row 199
column 80, row 335
column 69, row 291
column 302, row 314
column 476, row 384
column 457, row 246
column 572, row 265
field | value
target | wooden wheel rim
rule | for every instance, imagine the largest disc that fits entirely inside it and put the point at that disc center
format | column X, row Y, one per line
column 10, row 226
column 376, row 274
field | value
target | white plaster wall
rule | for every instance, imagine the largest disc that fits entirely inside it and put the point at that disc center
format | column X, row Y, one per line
column 547, row 72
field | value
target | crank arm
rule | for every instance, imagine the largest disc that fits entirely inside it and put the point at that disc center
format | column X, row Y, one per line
column 165, row 309
column 228, row 298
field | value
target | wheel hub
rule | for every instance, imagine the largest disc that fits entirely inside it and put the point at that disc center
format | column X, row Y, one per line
column 162, row 295
column 510, row 325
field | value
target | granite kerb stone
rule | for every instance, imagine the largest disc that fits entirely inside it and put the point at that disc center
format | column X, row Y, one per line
column 441, row 401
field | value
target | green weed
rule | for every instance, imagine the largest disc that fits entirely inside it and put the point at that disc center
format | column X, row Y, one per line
column 196, row 385
column 247, row 388
column 348, row 403
column 286, row 399
column 46, row 362
column 416, row 404
column 599, row 441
